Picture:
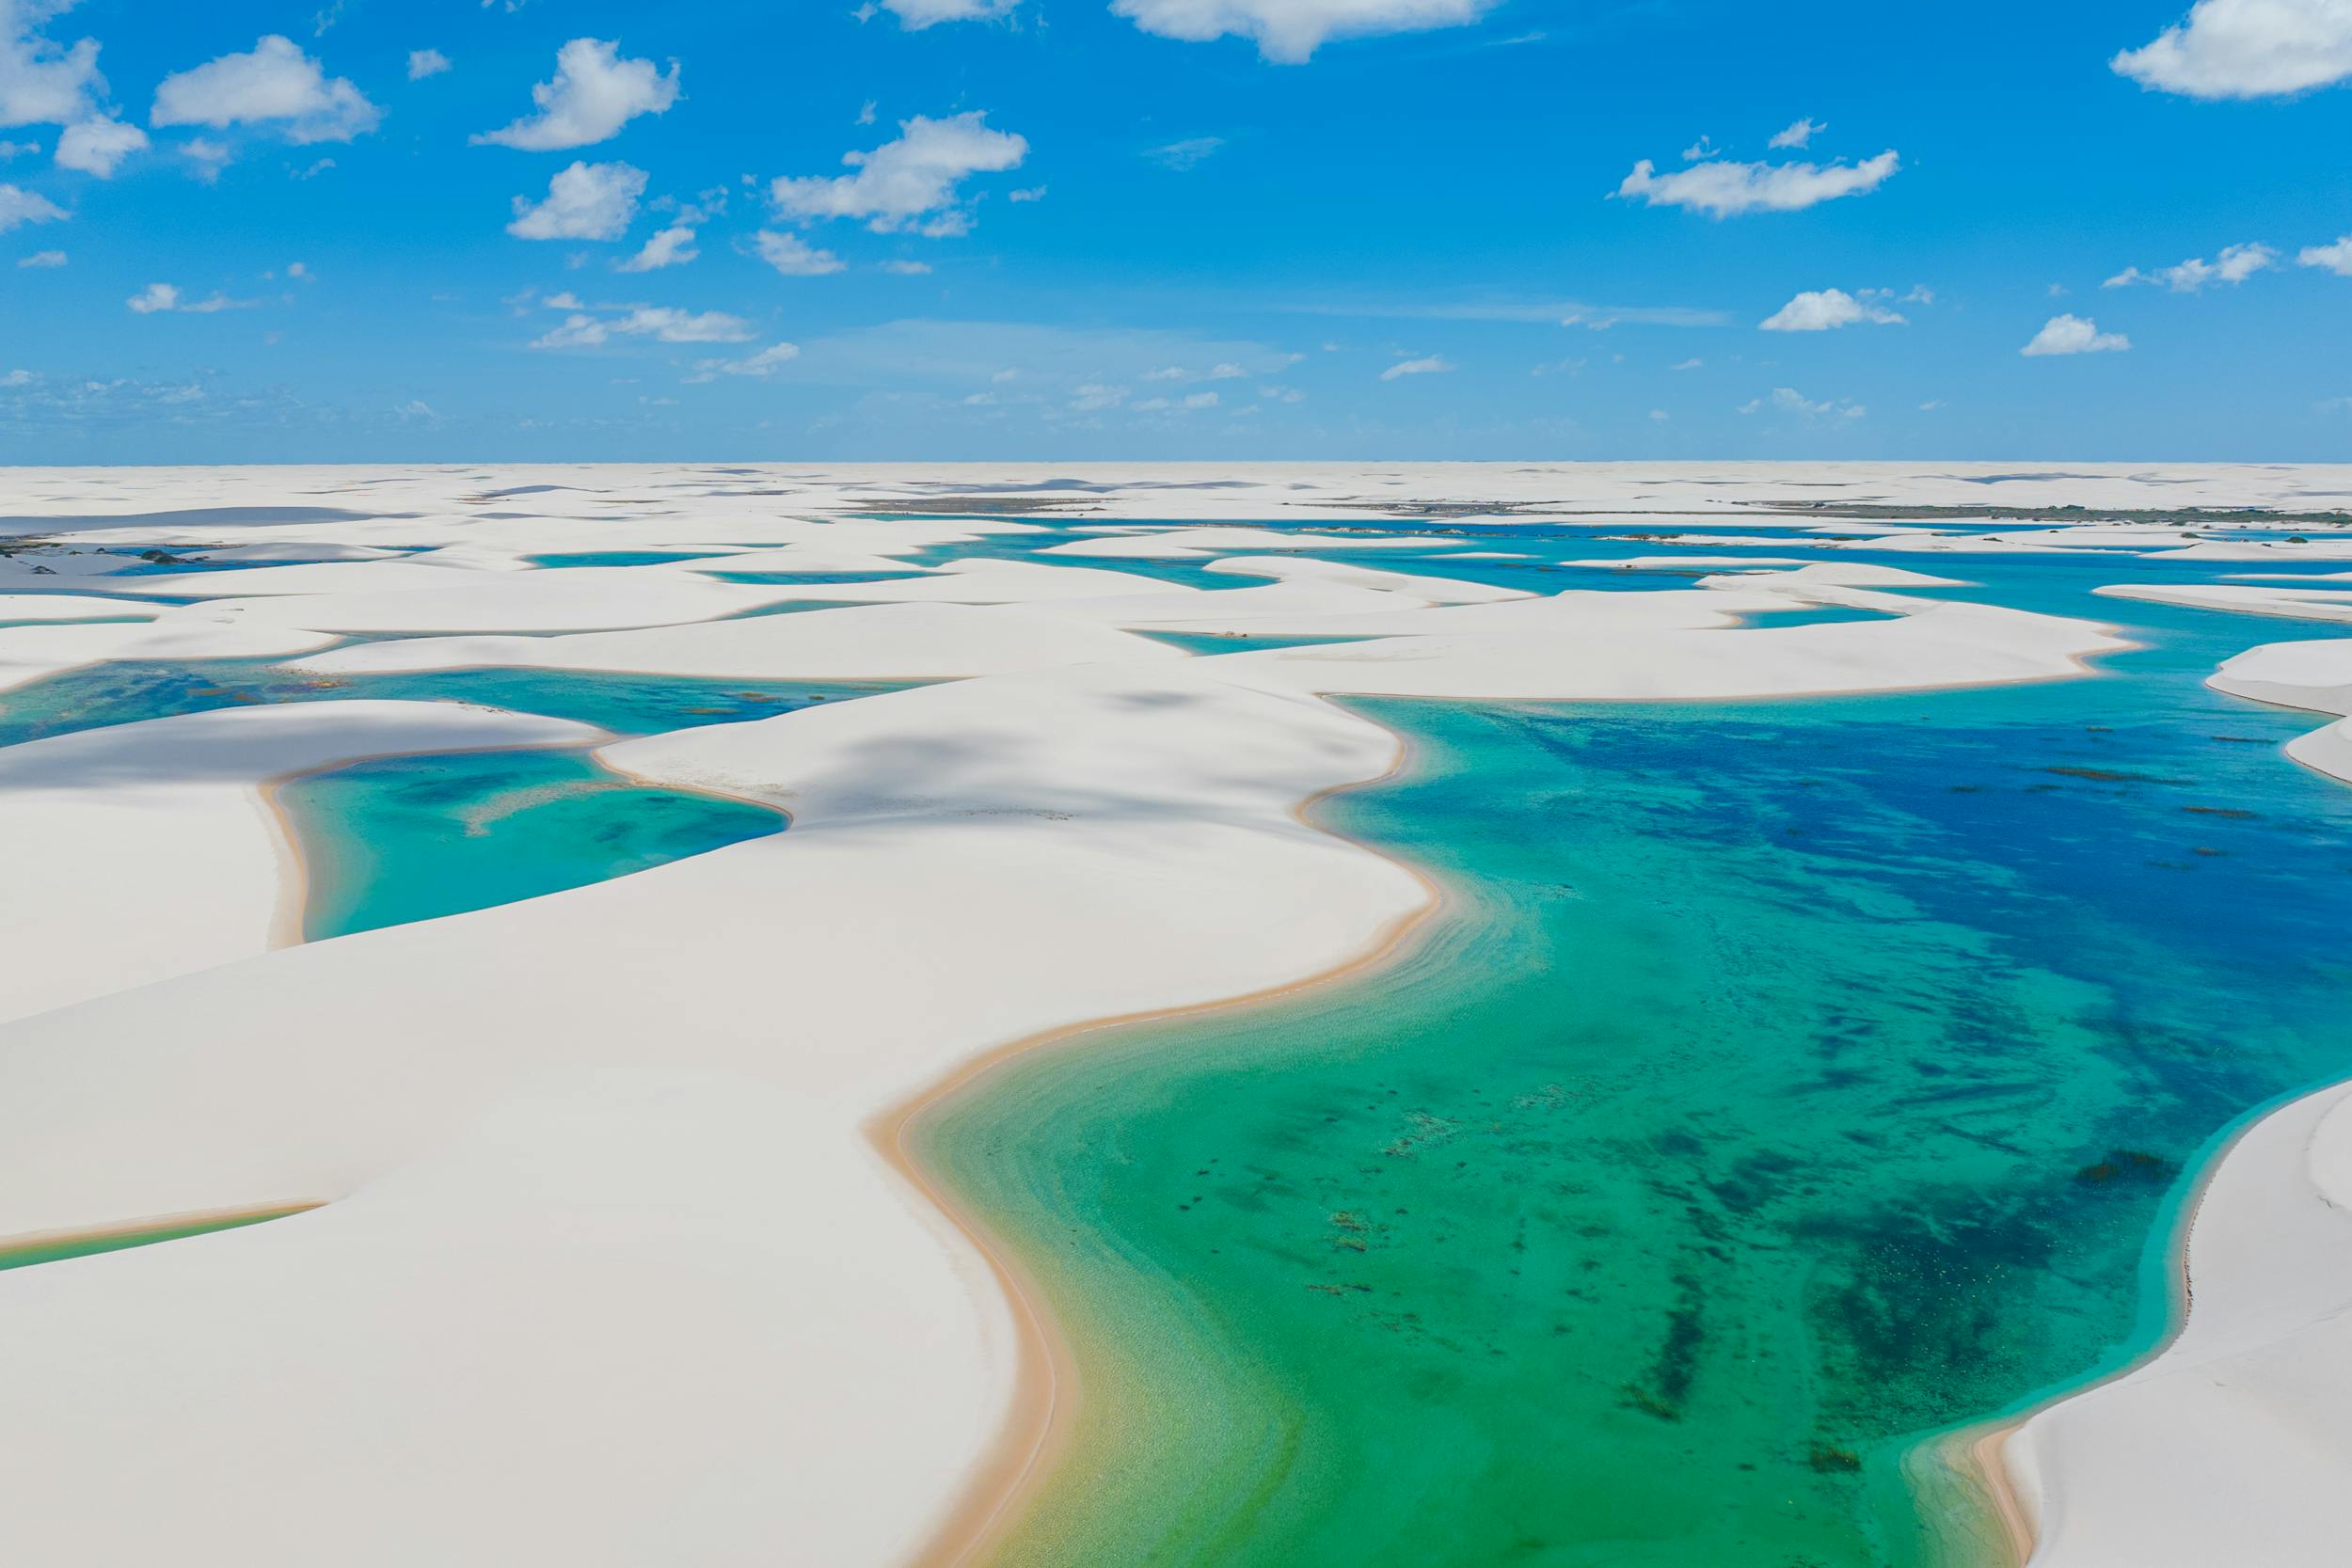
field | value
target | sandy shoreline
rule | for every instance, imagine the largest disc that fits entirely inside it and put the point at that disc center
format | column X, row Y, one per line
column 1049, row 1376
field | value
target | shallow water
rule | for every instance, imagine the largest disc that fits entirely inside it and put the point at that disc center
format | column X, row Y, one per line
column 123, row 693
column 416, row 838
column 1785, row 1082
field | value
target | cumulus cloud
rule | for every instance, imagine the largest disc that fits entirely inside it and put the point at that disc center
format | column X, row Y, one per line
column 97, row 146
column 426, row 62
column 915, row 15
column 2336, row 258
column 1722, row 189
column 42, row 258
column 1290, row 31
column 2235, row 265
column 673, row 246
column 158, row 298
column 907, row 269
column 795, row 257
column 274, row 84
column 1820, row 310
column 2247, row 49
column 766, row 362
column 1798, row 134
column 18, row 206
column 1432, row 365
column 907, row 184
column 42, row 82
column 1788, row 400
column 663, row 323
column 2072, row 334
column 586, row 201
column 594, row 93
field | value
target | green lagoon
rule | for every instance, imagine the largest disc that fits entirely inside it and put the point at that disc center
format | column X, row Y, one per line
column 1783, row 1083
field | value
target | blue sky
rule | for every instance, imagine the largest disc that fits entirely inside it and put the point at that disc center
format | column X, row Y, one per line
column 351, row 230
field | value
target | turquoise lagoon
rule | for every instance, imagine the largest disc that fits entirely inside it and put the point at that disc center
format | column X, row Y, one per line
column 1783, row 1084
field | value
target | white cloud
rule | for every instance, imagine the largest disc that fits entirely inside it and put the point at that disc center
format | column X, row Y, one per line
column 1722, row 189
column 1691, row 365
column 673, row 246
column 907, row 269
column 1788, row 400
column 795, row 257
column 1433, row 365
column 1660, row 415
column 2247, row 49
column 915, row 15
column 276, row 83
column 1189, row 153
column 2336, row 258
column 42, row 258
column 209, row 156
column 1703, row 147
column 97, row 146
column 1820, row 310
column 1798, row 134
column 158, row 298
column 663, row 323
column 1290, row 31
column 43, row 83
column 766, row 362
column 18, row 206
column 586, row 201
column 1189, row 403
column 1092, row 397
column 18, row 149
column 2235, row 265
column 426, row 62
column 910, row 183
column 1032, row 193
column 594, row 93
column 2072, row 334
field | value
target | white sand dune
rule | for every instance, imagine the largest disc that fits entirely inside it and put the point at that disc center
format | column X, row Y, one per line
column 2315, row 675
column 1436, row 590
column 572, row 599
column 2300, row 604
column 575, row 1276
column 146, row 850
column 1940, row 645
column 884, row 641
column 29, row 654
column 2232, row 1445
column 609, row 1271
column 72, row 607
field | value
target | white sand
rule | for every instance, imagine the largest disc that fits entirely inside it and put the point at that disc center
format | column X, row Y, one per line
column 71, row 607
column 2301, row 604
column 2315, row 675
column 885, row 642
column 577, row 1282
column 608, row 1274
column 146, row 850
column 1947, row 645
column 2232, row 1446
column 35, row 653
